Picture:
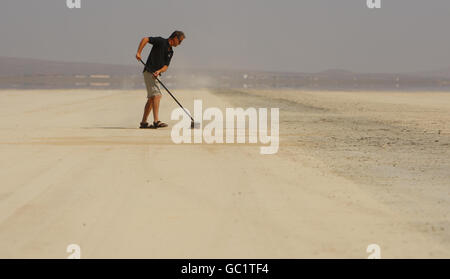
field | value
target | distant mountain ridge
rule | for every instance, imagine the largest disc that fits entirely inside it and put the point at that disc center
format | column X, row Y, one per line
column 16, row 67
column 10, row 66
column 337, row 72
column 441, row 73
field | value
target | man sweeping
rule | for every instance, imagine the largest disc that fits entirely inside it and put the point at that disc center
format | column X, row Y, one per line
column 158, row 61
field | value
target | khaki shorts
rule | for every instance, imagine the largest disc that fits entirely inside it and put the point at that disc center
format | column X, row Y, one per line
column 152, row 85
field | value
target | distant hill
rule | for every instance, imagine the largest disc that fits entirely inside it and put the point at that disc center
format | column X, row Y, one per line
column 441, row 73
column 437, row 74
column 27, row 66
column 35, row 73
column 337, row 72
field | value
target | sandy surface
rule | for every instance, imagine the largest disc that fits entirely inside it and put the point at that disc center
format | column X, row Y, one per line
column 353, row 169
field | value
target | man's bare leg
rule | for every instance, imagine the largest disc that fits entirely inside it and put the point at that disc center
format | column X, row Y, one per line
column 147, row 109
column 156, row 100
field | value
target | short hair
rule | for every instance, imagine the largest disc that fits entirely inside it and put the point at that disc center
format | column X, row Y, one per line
column 177, row 34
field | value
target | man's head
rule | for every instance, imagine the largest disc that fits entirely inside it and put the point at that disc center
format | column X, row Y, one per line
column 176, row 38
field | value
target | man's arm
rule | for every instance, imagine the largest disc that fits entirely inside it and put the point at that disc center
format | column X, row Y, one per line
column 142, row 44
column 162, row 70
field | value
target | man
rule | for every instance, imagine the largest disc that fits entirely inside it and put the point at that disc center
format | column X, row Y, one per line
column 158, row 61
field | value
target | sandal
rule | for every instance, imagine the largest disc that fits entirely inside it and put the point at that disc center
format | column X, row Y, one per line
column 159, row 124
column 144, row 125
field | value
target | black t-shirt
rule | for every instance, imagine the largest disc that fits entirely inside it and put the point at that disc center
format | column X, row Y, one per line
column 160, row 55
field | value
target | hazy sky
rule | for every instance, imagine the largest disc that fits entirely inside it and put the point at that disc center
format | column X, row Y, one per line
column 283, row 35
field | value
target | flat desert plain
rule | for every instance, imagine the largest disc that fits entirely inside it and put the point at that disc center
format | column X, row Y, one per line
column 353, row 169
